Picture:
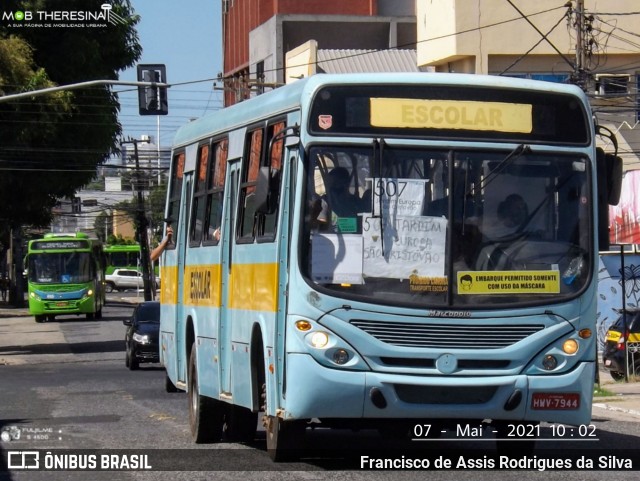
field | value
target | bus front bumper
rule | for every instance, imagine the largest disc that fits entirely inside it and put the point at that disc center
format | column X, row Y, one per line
column 321, row 392
column 66, row 305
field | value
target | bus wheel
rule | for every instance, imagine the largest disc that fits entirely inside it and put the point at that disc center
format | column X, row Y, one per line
column 284, row 438
column 241, row 424
column 206, row 415
column 40, row 318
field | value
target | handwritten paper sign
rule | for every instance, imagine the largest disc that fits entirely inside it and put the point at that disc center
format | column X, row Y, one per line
column 413, row 245
column 398, row 196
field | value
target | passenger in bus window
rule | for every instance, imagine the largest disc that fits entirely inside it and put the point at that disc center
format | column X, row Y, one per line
column 155, row 254
column 341, row 201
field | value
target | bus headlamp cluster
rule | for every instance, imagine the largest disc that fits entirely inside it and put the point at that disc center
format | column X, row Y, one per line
column 558, row 355
column 88, row 293
column 35, row 296
column 328, row 348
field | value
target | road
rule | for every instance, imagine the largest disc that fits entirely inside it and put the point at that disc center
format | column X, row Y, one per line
column 66, row 387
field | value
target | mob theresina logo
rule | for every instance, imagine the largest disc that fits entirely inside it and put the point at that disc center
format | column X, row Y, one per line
column 63, row 18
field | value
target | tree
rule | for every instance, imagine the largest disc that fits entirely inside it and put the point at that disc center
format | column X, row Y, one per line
column 51, row 145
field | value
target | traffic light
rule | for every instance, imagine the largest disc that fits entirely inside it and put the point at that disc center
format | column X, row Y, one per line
column 152, row 100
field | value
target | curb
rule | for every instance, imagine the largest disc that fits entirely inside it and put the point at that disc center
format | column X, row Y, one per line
column 609, row 407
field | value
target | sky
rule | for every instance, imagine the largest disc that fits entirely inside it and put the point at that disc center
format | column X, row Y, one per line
column 187, row 38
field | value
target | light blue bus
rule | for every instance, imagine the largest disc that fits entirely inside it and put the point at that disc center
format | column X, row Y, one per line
column 386, row 251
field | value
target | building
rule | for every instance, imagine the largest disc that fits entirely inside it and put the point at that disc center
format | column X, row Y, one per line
column 590, row 43
column 257, row 34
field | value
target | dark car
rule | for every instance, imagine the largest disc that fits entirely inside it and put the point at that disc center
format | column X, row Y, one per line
column 626, row 329
column 143, row 332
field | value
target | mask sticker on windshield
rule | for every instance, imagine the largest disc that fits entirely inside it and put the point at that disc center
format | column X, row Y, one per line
column 508, row 282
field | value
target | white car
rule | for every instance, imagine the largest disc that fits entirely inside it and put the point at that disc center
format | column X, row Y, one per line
column 123, row 279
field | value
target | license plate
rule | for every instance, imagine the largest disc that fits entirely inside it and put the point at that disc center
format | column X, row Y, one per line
column 555, row 401
column 62, row 304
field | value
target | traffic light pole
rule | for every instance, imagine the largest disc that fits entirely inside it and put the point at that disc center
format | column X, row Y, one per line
column 142, row 230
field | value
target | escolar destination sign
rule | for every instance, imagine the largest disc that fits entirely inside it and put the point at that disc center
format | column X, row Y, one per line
column 451, row 114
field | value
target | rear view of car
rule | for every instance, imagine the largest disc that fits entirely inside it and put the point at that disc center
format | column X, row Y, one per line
column 625, row 331
column 141, row 338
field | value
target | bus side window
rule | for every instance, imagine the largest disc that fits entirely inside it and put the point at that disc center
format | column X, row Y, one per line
column 199, row 201
column 267, row 222
column 175, row 193
column 215, row 191
column 247, row 207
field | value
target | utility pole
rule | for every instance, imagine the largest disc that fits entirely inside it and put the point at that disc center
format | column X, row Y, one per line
column 142, row 228
column 580, row 75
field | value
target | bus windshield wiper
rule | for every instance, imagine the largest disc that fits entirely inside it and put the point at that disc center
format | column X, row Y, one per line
column 515, row 154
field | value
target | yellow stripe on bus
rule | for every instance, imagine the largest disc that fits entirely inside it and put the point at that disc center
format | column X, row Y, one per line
column 252, row 286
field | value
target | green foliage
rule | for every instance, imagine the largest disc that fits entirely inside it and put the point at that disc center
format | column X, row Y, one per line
column 118, row 240
column 51, row 145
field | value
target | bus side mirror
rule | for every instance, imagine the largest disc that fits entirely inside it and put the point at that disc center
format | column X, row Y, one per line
column 614, row 178
column 609, row 185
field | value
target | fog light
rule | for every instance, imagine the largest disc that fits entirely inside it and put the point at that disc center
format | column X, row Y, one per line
column 549, row 362
column 340, row 356
column 319, row 339
column 570, row 346
column 303, row 326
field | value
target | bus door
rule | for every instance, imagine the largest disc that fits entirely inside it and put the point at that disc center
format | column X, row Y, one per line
column 228, row 233
column 181, row 230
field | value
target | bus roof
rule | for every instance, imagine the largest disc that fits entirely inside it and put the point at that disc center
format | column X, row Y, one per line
column 299, row 93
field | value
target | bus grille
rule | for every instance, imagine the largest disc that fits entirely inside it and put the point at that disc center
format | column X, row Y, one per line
column 450, row 336
column 59, row 287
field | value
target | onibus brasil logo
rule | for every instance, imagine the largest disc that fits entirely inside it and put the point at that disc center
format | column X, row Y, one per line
column 105, row 14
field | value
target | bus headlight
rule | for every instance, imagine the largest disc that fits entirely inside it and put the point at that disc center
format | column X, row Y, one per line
column 570, row 346
column 34, row 296
column 340, row 356
column 319, row 339
column 326, row 347
column 549, row 362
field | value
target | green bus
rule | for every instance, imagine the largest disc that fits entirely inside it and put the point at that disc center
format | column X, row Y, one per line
column 121, row 257
column 65, row 276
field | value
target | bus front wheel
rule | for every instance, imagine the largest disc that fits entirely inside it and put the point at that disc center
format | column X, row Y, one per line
column 284, row 438
column 206, row 415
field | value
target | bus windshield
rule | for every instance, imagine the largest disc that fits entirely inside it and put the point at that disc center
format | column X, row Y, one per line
column 60, row 268
column 447, row 228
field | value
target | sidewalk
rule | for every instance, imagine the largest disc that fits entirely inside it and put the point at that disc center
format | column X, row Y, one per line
column 626, row 397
